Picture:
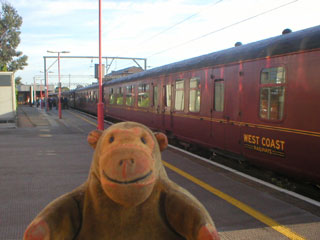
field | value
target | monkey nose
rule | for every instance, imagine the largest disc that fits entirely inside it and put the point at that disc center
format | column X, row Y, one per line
column 127, row 166
column 126, row 162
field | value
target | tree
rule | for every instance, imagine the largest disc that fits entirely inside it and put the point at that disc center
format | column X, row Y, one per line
column 18, row 80
column 63, row 89
column 10, row 23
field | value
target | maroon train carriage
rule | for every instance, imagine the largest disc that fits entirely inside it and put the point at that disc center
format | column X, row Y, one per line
column 86, row 99
column 260, row 101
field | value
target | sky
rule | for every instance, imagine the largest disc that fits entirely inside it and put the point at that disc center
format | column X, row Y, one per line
column 162, row 31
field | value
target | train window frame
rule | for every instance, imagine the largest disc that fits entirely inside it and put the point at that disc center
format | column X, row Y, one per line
column 95, row 95
column 119, row 96
column 194, row 106
column 272, row 91
column 219, row 95
column 130, row 95
column 155, row 98
column 179, row 95
column 167, row 95
column 104, row 94
column 143, row 95
column 111, row 96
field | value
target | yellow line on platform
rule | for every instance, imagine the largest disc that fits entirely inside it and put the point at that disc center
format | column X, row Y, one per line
column 244, row 207
column 88, row 121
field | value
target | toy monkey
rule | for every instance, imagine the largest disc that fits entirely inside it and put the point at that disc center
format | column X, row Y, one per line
column 127, row 195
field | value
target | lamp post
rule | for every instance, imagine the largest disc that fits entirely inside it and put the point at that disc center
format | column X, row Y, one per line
column 47, row 89
column 100, row 103
column 59, row 94
column 34, row 92
column 41, row 90
column 47, row 92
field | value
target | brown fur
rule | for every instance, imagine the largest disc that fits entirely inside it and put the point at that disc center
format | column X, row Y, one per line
column 127, row 195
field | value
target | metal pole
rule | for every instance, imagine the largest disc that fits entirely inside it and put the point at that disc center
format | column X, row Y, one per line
column 40, row 92
column 100, row 103
column 59, row 95
column 47, row 101
column 46, row 77
column 34, row 91
column 59, row 87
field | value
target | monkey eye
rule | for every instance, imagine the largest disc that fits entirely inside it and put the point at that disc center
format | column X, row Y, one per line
column 111, row 139
column 143, row 140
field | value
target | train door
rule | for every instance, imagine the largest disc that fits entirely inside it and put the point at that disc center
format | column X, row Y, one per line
column 232, row 113
column 217, row 112
column 166, row 105
column 156, row 113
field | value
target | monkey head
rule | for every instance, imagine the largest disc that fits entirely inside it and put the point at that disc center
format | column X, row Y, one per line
column 127, row 161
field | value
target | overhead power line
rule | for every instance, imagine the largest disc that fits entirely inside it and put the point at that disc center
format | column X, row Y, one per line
column 174, row 25
column 223, row 28
column 178, row 23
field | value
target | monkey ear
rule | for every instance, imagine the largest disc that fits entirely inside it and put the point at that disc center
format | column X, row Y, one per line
column 93, row 138
column 162, row 140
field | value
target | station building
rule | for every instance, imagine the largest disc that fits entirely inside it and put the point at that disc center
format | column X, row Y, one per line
column 30, row 93
column 7, row 100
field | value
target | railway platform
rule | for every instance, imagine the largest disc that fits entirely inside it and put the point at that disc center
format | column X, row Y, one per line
column 45, row 157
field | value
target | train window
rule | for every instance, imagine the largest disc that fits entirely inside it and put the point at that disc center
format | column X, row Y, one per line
column 155, row 95
column 272, row 92
column 111, row 96
column 272, row 75
column 194, row 99
column 130, row 95
column 143, row 95
column 104, row 94
column 119, row 96
column 167, row 92
column 95, row 96
column 179, row 96
column 271, row 103
column 219, row 95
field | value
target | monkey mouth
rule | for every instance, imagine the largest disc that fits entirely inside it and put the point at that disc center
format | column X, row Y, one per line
column 127, row 182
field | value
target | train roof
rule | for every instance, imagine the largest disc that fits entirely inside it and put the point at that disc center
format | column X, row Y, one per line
column 96, row 85
column 302, row 40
